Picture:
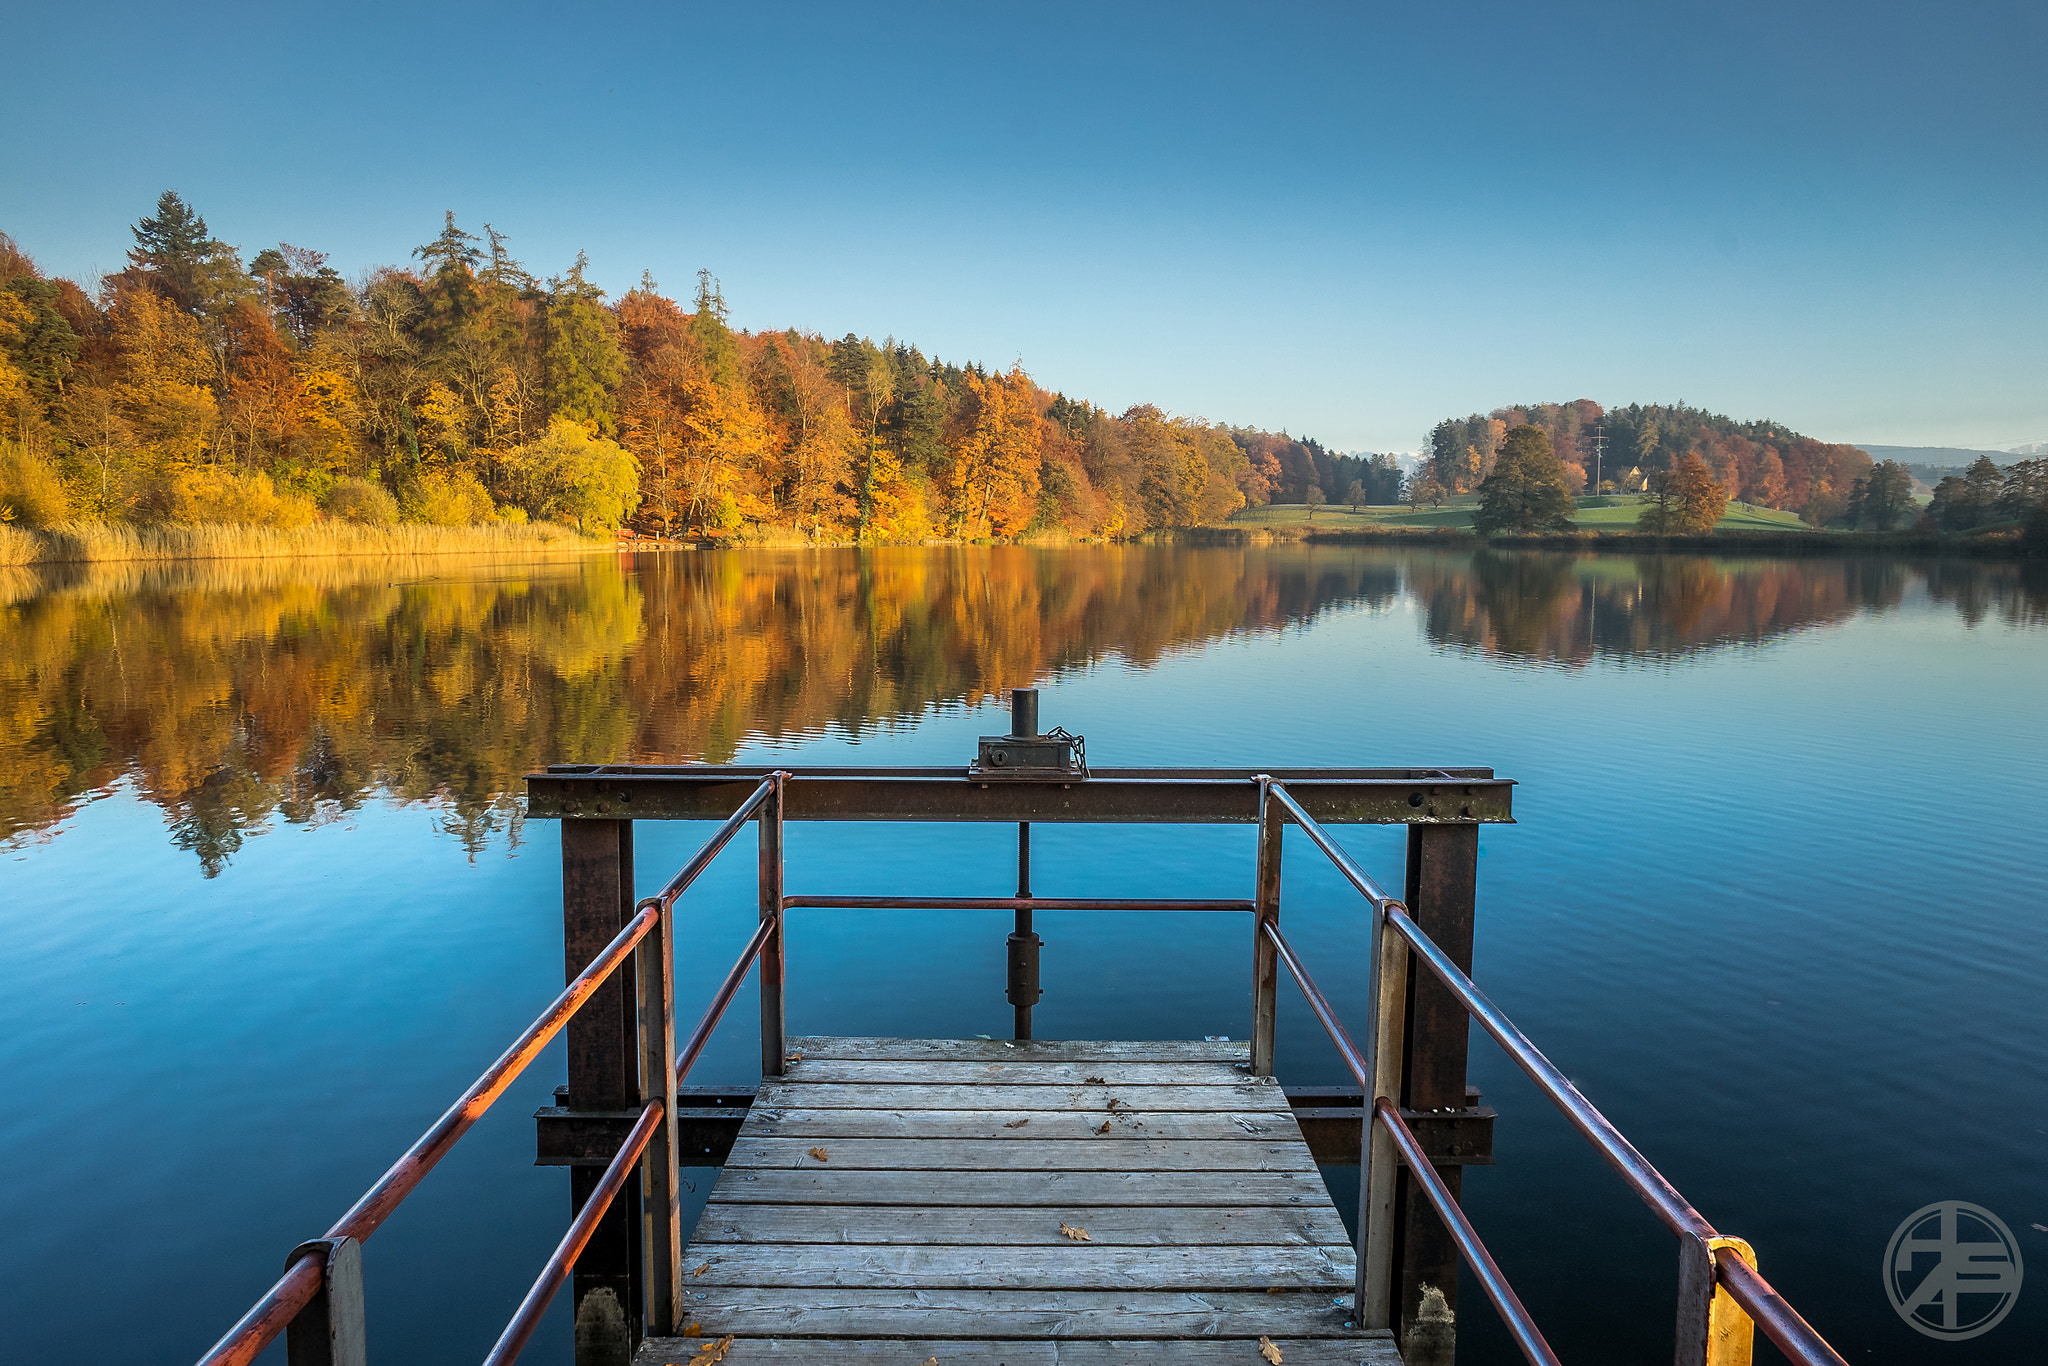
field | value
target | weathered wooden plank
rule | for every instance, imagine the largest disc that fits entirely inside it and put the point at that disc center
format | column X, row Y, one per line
column 1068, row 1266
column 1017, row 1125
column 1017, row 1050
column 1308, row 1224
column 1012, row 1072
column 771, row 1311
column 931, row 1226
column 1376, row 1350
column 865, row 1096
column 991, row 1154
column 1051, row 1189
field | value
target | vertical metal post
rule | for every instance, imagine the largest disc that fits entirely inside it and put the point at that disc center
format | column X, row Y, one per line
column 329, row 1331
column 1023, row 944
column 773, row 1051
column 1385, row 1006
column 1023, row 712
column 1265, row 957
column 604, row 1075
column 661, row 1253
column 1376, row 1181
column 1443, row 866
column 1021, row 948
column 1713, row 1330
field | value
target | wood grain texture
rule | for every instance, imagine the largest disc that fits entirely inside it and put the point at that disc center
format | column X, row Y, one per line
column 1016, row 1072
column 773, row 1311
column 1017, row 1096
column 1076, row 1190
column 1022, row 1155
column 1007, row 1050
column 801, row 1121
column 1373, row 1350
column 1143, row 1226
column 1058, row 1265
column 903, row 1199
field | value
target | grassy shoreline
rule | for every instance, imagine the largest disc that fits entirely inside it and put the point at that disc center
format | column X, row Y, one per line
column 96, row 543
column 90, row 543
column 1998, row 545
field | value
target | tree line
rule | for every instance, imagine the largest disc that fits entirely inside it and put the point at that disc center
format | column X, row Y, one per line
column 1985, row 495
column 195, row 385
column 1759, row 462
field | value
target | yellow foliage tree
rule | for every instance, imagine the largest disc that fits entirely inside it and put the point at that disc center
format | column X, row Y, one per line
column 328, row 416
column 991, row 479
column 439, row 421
column 724, row 434
column 166, row 367
column 1689, row 501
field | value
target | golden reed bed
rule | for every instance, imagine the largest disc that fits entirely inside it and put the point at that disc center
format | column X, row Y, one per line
column 92, row 542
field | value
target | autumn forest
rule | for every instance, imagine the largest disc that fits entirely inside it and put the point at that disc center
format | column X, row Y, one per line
column 462, row 389
column 197, row 386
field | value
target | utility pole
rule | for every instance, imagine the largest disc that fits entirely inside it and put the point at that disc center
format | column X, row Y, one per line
column 1599, row 450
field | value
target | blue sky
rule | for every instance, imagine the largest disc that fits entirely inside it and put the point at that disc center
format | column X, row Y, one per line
column 1347, row 220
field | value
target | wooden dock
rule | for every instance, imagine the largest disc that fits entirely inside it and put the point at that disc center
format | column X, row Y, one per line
column 904, row 1200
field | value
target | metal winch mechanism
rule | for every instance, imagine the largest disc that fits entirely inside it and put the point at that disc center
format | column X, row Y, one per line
column 1025, row 756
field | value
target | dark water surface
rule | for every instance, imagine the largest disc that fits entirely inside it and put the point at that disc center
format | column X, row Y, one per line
column 267, row 902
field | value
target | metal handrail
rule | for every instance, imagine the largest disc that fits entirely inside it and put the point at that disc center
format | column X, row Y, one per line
column 1361, row 1066
column 293, row 1291
column 1782, row 1324
column 1353, row 874
column 1520, row 1325
column 1505, row 1302
column 701, row 860
column 1012, row 903
column 1790, row 1333
column 727, row 989
column 559, row 1266
column 514, row 1339
column 1660, row 1195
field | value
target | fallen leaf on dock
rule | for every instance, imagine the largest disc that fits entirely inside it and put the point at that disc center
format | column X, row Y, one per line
column 1105, row 1127
column 1079, row 1235
column 1092, row 1081
column 1113, row 1103
column 794, row 1057
column 1269, row 1351
column 931, row 1361
column 818, row 1153
column 693, row 1330
column 715, row 1351
column 1017, row 1124
column 1275, row 1290
column 702, row 1269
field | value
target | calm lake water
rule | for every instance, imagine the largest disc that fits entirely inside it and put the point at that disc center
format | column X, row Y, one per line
column 267, row 901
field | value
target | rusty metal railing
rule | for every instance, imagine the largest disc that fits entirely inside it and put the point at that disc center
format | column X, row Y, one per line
column 333, row 1335
column 318, row 1301
column 1717, row 1277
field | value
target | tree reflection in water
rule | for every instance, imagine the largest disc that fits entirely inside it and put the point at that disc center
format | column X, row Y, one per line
column 229, row 693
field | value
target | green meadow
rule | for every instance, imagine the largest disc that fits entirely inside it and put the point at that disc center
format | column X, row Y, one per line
column 1610, row 513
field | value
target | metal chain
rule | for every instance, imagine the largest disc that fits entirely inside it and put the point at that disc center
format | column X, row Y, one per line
column 1080, row 745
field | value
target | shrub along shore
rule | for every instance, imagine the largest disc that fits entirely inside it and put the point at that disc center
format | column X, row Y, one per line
column 98, row 542
column 2011, row 544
